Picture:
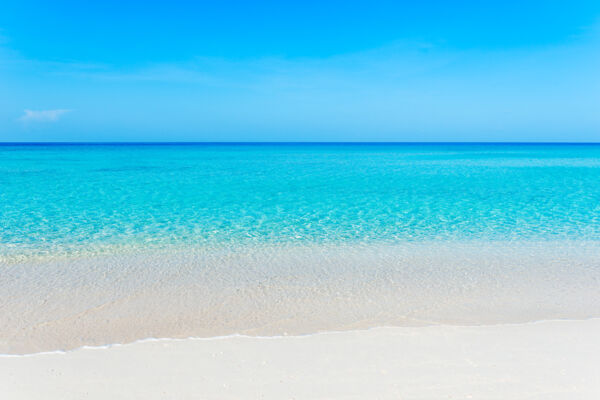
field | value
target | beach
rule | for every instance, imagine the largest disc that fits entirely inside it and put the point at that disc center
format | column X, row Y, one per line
column 540, row 360
column 299, row 200
column 299, row 271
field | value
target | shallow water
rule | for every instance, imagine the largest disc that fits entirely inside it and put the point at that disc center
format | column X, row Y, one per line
column 111, row 243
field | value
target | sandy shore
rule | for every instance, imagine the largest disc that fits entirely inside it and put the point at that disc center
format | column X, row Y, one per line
column 543, row 360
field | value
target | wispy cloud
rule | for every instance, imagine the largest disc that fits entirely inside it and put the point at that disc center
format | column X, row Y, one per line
column 43, row 115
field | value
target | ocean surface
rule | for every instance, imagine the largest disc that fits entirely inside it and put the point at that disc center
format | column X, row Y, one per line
column 111, row 243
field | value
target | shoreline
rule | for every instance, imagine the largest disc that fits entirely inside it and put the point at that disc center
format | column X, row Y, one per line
column 66, row 304
column 295, row 336
column 542, row 359
column 432, row 325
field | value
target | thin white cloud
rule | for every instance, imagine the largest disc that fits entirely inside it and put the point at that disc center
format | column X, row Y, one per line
column 43, row 115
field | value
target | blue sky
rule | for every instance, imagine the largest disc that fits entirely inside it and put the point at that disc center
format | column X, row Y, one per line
column 300, row 71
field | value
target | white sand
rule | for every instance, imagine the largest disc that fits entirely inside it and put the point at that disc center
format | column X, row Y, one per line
column 544, row 360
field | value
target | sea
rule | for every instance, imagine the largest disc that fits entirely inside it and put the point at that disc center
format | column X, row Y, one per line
column 111, row 243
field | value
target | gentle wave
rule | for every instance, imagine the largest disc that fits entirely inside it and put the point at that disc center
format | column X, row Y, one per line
column 273, row 337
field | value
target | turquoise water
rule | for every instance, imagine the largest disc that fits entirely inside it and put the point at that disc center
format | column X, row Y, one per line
column 65, row 198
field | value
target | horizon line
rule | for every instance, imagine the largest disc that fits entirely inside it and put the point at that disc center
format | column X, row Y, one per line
column 293, row 143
